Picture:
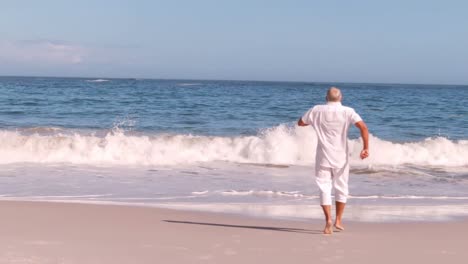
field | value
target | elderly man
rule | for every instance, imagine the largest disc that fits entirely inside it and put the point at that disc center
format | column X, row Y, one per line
column 331, row 122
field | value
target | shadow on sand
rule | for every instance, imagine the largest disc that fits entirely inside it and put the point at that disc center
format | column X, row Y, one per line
column 282, row 229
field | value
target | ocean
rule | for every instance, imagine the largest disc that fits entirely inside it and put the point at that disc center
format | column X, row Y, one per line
column 230, row 146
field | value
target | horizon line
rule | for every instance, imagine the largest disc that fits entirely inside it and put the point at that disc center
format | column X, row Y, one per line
column 226, row 80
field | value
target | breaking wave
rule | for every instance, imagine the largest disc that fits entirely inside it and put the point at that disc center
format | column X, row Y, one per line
column 283, row 145
column 98, row 80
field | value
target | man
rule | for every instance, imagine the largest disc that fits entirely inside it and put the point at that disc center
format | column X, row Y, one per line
column 331, row 122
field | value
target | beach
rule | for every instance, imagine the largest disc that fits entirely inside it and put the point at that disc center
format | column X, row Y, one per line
column 179, row 171
column 53, row 232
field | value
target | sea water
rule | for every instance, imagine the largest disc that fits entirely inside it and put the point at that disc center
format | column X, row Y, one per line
column 230, row 146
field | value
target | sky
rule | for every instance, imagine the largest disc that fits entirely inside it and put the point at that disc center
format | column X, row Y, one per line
column 398, row 41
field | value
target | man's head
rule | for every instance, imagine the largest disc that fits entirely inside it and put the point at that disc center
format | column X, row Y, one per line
column 334, row 95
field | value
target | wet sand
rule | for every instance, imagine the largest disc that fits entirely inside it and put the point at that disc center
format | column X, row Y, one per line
column 43, row 232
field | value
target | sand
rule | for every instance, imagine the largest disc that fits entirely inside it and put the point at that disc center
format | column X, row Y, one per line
column 45, row 232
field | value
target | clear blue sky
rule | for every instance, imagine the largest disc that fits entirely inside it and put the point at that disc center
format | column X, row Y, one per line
column 402, row 41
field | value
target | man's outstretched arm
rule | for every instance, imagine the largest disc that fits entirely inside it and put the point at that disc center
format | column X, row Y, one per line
column 301, row 123
column 365, row 138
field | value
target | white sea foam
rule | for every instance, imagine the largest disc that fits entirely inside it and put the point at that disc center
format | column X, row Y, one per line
column 188, row 84
column 281, row 145
column 200, row 192
column 98, row 80
column 298, row 194
column 267, row 193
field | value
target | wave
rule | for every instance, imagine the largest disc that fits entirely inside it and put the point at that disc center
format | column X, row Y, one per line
column 266, row 193
column 189, row 84
column 281, row 145
column 98, row 80
column 298, row 194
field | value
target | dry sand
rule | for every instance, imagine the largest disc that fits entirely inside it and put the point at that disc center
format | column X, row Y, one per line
column 41, row 232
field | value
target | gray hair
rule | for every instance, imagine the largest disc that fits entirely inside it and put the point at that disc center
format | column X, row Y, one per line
column 334, row 95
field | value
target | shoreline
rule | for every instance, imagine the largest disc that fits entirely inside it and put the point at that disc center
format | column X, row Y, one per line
column 51, row 232
column 358, row 213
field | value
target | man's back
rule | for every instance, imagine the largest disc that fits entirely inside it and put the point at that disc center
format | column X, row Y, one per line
column 331, row 123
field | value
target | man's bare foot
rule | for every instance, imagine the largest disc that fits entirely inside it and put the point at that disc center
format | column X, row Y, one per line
column 339, row 226
column 328, row 229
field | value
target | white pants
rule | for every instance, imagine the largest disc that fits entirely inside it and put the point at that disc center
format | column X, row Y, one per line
column 328, row 178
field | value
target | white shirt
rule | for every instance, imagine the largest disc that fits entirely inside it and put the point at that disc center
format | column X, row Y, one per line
column 331, row 122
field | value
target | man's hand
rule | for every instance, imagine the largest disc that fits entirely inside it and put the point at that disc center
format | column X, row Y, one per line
column 301, row 123
column 365, row 138
column 364, row 153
